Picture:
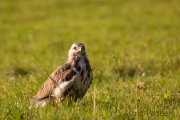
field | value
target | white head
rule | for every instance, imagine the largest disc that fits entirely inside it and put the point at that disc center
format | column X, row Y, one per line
column 77, row 49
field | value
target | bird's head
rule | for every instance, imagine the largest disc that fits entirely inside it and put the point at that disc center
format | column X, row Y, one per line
column 77, row 49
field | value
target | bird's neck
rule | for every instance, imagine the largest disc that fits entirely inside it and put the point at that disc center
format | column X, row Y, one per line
column 75, row 57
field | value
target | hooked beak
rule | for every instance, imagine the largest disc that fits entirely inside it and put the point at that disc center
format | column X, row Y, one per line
column 79, row 50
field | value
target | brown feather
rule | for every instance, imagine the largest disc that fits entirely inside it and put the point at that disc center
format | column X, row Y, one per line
column 56, row 77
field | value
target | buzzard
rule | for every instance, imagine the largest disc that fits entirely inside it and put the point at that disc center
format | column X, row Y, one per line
column 72, row 79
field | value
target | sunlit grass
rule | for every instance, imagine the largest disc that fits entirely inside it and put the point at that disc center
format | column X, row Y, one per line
column 133, row 47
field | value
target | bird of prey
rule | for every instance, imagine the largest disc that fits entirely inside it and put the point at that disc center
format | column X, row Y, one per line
column 72, row 79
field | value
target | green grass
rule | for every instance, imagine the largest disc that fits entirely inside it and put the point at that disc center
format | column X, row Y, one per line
column 133, row 47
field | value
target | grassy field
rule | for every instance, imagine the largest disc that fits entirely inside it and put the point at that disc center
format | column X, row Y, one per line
column 133, row 47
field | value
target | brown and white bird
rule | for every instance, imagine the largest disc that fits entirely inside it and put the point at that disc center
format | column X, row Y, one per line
column 72, row 79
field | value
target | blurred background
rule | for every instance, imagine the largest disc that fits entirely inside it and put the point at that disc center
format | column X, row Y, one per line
column 137, row 33
column 122, row 38
column 126, row 41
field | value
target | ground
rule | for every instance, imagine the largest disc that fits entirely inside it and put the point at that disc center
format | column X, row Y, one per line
column 133, row 47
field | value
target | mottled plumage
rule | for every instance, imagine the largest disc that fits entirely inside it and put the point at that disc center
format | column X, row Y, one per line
column 72, row 79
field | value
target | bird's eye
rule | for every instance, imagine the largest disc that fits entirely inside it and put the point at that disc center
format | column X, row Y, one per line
column 74, row 48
